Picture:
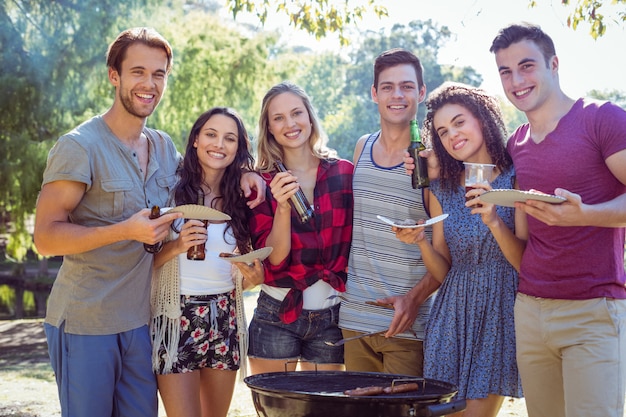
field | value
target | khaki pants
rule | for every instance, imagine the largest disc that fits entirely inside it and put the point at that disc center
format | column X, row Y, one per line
column 571, row 356
column 379, row 354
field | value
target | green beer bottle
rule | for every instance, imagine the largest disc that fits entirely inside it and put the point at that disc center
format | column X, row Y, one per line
column 419, row 178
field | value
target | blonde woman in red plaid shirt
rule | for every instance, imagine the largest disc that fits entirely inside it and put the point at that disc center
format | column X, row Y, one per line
column 296, row 310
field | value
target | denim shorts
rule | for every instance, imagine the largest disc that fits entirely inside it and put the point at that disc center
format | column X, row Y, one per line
column 304, row 339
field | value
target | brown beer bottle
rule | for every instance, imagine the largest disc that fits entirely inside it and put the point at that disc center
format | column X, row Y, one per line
column 298, row 201
column 419, row 178
column 196, row 253
column 155, row 212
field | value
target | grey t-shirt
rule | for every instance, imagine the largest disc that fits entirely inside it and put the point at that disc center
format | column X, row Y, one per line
column 107, row 290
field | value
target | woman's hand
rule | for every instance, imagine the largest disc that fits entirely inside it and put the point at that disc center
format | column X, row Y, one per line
column 283, row 186
column 487, row 211
column 253, row 274
column 192, row 233
column 410, row 236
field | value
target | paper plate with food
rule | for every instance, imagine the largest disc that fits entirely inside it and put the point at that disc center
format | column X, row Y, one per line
column 412, row 224
column 249, row 257
column 507, row 198
column 199, row 212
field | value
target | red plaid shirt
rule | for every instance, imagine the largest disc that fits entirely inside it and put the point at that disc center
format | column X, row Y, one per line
column 320, row 247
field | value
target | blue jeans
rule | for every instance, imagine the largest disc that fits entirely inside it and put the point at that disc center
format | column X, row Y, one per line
column 103, row 375
column 304, row 339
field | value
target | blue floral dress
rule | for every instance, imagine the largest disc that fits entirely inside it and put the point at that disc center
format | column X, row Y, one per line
column 470, row 339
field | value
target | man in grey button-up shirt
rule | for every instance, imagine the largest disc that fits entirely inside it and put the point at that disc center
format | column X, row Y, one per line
column 100, row 180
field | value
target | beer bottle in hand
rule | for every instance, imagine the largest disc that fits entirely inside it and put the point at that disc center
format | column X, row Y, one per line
column 155, row 212
column 419, row 178
column 298, row 201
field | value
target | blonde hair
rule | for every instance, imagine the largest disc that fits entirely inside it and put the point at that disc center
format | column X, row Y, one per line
column 268, row 149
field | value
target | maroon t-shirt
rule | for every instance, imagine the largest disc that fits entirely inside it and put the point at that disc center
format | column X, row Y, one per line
column 573, row 262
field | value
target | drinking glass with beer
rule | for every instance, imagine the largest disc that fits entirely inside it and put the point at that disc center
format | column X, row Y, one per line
column 476, row 174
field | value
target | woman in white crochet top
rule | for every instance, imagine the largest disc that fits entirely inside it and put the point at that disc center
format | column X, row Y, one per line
column 198, row 341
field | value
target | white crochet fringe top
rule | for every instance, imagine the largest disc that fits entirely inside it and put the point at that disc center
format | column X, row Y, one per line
column 166, row 312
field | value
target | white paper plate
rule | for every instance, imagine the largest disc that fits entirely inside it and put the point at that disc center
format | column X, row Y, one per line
column 507, row 198
column 198, row 212
column 249, row 257
column 428, row 222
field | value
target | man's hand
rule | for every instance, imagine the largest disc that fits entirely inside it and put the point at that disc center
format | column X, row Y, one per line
column 569, row 213
column 407, row 306
column 405, row 313
column 253, row 181
column 433, row 163
column 141, row 228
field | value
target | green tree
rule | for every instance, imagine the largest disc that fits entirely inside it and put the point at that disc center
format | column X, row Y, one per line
column 323, row 77
column 320, row 17
column 616, row 96
column 592, row 13
column 317, row 17
column 513, row 118
column 47, row 53
column 214, row 65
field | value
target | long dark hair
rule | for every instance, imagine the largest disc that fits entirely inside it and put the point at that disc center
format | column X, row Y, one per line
column 189, row 187
column 483, row 107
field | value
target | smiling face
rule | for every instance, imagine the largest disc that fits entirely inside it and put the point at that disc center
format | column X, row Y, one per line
column 289, row 121
column 141, row 80
column 461, row 134
column 528, row 81
column 216, row 143
column 398, row 94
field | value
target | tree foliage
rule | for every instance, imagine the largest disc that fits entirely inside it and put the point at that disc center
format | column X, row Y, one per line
column 318, row 17
column 54, row 75
column 592, row 13
column 47, row 54
column 214, row 65
column 616, row 96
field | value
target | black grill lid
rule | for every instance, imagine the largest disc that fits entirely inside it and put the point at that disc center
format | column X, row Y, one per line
column 333, row 384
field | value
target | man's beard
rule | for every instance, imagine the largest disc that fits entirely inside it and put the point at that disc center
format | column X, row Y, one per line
column 128, row 104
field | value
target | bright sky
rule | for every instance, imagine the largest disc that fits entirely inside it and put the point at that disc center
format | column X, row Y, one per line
column 585, row 63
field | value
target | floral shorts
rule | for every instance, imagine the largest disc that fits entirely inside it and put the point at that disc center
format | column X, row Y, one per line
column 208, row 334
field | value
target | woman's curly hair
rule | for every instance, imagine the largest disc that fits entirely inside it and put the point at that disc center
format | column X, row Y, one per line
column 485, row 108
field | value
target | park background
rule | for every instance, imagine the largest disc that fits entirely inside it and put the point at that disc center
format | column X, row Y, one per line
column 53, row 77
